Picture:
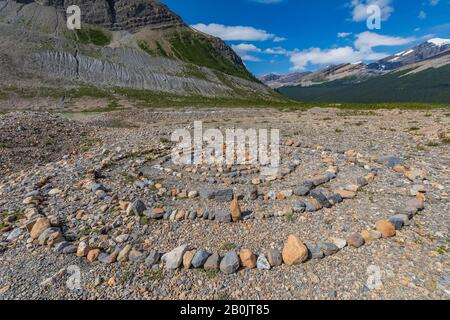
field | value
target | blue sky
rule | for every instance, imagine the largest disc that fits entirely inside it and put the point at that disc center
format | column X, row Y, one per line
column 284, row 36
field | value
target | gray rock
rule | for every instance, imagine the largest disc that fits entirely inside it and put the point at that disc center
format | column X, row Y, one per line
column 212, row 263
column 274, row 257
column 262, row 263
column 390, row 161
column 361, row 182
column 252, row 193
column 136, row 256
column 192, row 215
column 59, row 247
column 174, row 258
column 200, row 258
column 138, row 207
column 299, row 207
column 224, row 195
column 13, row 235
column 70, row 249
column 328, row 248
column 97, row 186
column 335, row 199
column 321, row 198
column 223, row 216
column 42, row 240
column 397, row 221
column 152, row 258
column 314, row 252
column 303, row 189
column 309, row 207
column 230, row 263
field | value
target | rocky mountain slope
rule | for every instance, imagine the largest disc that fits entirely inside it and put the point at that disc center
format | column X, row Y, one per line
column 134, row 44
column 417, row 74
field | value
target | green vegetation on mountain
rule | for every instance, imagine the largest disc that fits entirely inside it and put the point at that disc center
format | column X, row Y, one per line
column 431, row 85
column 96, row 36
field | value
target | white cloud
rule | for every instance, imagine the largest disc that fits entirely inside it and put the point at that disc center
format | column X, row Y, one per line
column 362, row 50
column 244, row 50
column 344, row 34
column 359, row 9
column 422, row 15
column 367, row 40
column 236, row 33
column 277, row 51
column 434, row 2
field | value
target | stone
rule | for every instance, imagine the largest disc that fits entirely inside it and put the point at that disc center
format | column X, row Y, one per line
column 13, row 235
column 108, row 258
column 59, row 247
column 123, row 254
column 230, row 263
column 361, row 182
column 152, row 258
column 225, row 195
column 83, row 249
column 235, row 210
column 274, row 257
column 70, row 249
column 319, row 180
column 294, row 251
column 92, row 255
column 192, row 194
column 345, row 194
column 55, row 238
column 174, row 258
column 262, row 263
column 54, row 192
column 248, row 259
column 328, row 248
column 370, row 235
column 44, row 236
column 187, row 259
column 416, row 203
column 303, row 189
column 415, row 174
column 417, row 189
column 200, row 258
column 212, row 263
column 321, row 198
column 192, row 215
column 97, row 186
column 312, row 205
column 390, row 161
column 386, row 228
column 397, row 222
column 221, row 216
column 180, row 215
column 122, row 238
column 314, row 252
column 352, row 188
column 338, row 242
column 335, row 199
column 252, row 193
column 355, row 240
column 402, row 217
column 39, row 227
column 136, row 256
column 137, row 207
column 299, row 207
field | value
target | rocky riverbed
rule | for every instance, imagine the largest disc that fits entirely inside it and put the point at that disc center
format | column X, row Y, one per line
column 94, row 208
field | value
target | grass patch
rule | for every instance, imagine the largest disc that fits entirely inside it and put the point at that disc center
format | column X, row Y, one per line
column 153, row 275
column 445, row 141
column 228, row 246
column 91, row 35
column 210, row 273
column 158, row 51
column 290, row 217
column 442, row 250
column 192, row 71
column 144, row 220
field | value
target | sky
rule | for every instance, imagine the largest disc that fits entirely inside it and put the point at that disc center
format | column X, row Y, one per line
column 285, row 36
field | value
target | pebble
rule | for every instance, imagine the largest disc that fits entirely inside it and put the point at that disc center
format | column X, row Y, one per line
column 187, row 259
column 314, row 251
column 137, row 207
column 13, row 235
column 370, row 235
column 397, row 221
column 123, row 254
column 230, row 263
column 321, row 198
column 83, row 249
column 248, row 259
column 200, row 258
column 386, row 228
column 274, row 257
column 299, row 207
column 152, row 258
column 294, row 251
column 262, row 263
column 212, row 263
column 174, row 258
column 328, row 248
column 355, row 240
column 93, row 255
column 338, row 242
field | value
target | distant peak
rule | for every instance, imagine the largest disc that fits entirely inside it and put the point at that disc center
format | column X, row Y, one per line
column 439, row 41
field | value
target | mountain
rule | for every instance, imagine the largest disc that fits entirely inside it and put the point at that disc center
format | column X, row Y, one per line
column 420, row 73
column 133, row 44
column 277, row 81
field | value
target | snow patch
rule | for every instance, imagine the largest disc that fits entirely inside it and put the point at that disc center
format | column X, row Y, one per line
column 439, row 41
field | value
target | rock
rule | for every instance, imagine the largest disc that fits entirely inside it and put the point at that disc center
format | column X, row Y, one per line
column 59, row 247
column 299, row 207
column 122, row 238
column 417, row 189
column 174, row 258
column 230, row 263
column 321, row 198
column 187, row 259
column 335, row 199
column 386, row 228
column 345, row 194
column 180, row 215
column 303, row 189
column 39, row 227
column 314, row 252
column 137, row 207
column 93, row 255
column 152, row 258
column 355, row 240
column 55, row 238
column 97, row 186
column 13, row 235
column 370, row 235
column 252, row 193
column 319, row 180
column 221, row 216
column 54, row 192
column 200, row 258
column 108, row 258
column 312, row 205
column 416, row 203
column 415, row 174
column 70, row 249
column 390, row 161
column 136, row 256
column 274, row 257
column 328, row 248
column 123, row 254
column 294, row 251
column 248, row 259
column 338, row 242
column 397, row 222
column 219, row 195
column 262, row 263
column 402, row 217
column 212, row 263
column 192, row 194
column 83, row 249
column 352, row 188
column 235, row 210
column 42, row 240
column 192, row 215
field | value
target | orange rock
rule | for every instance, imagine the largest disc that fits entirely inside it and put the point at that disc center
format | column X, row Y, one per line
column 280, row 196
column 158, row 210
column 93, row 255
column 235, row 210
column 345, row 194
column 294, row 251
column 180, row 215
column 39, row 227
column 386, row 228
column 400, row 169
column 123, row 205
column 248, row 259
column 420, row 196
column 112, row 282
column 187, row 259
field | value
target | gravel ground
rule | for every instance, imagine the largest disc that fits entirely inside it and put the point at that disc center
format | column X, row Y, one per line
column 114, row 148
